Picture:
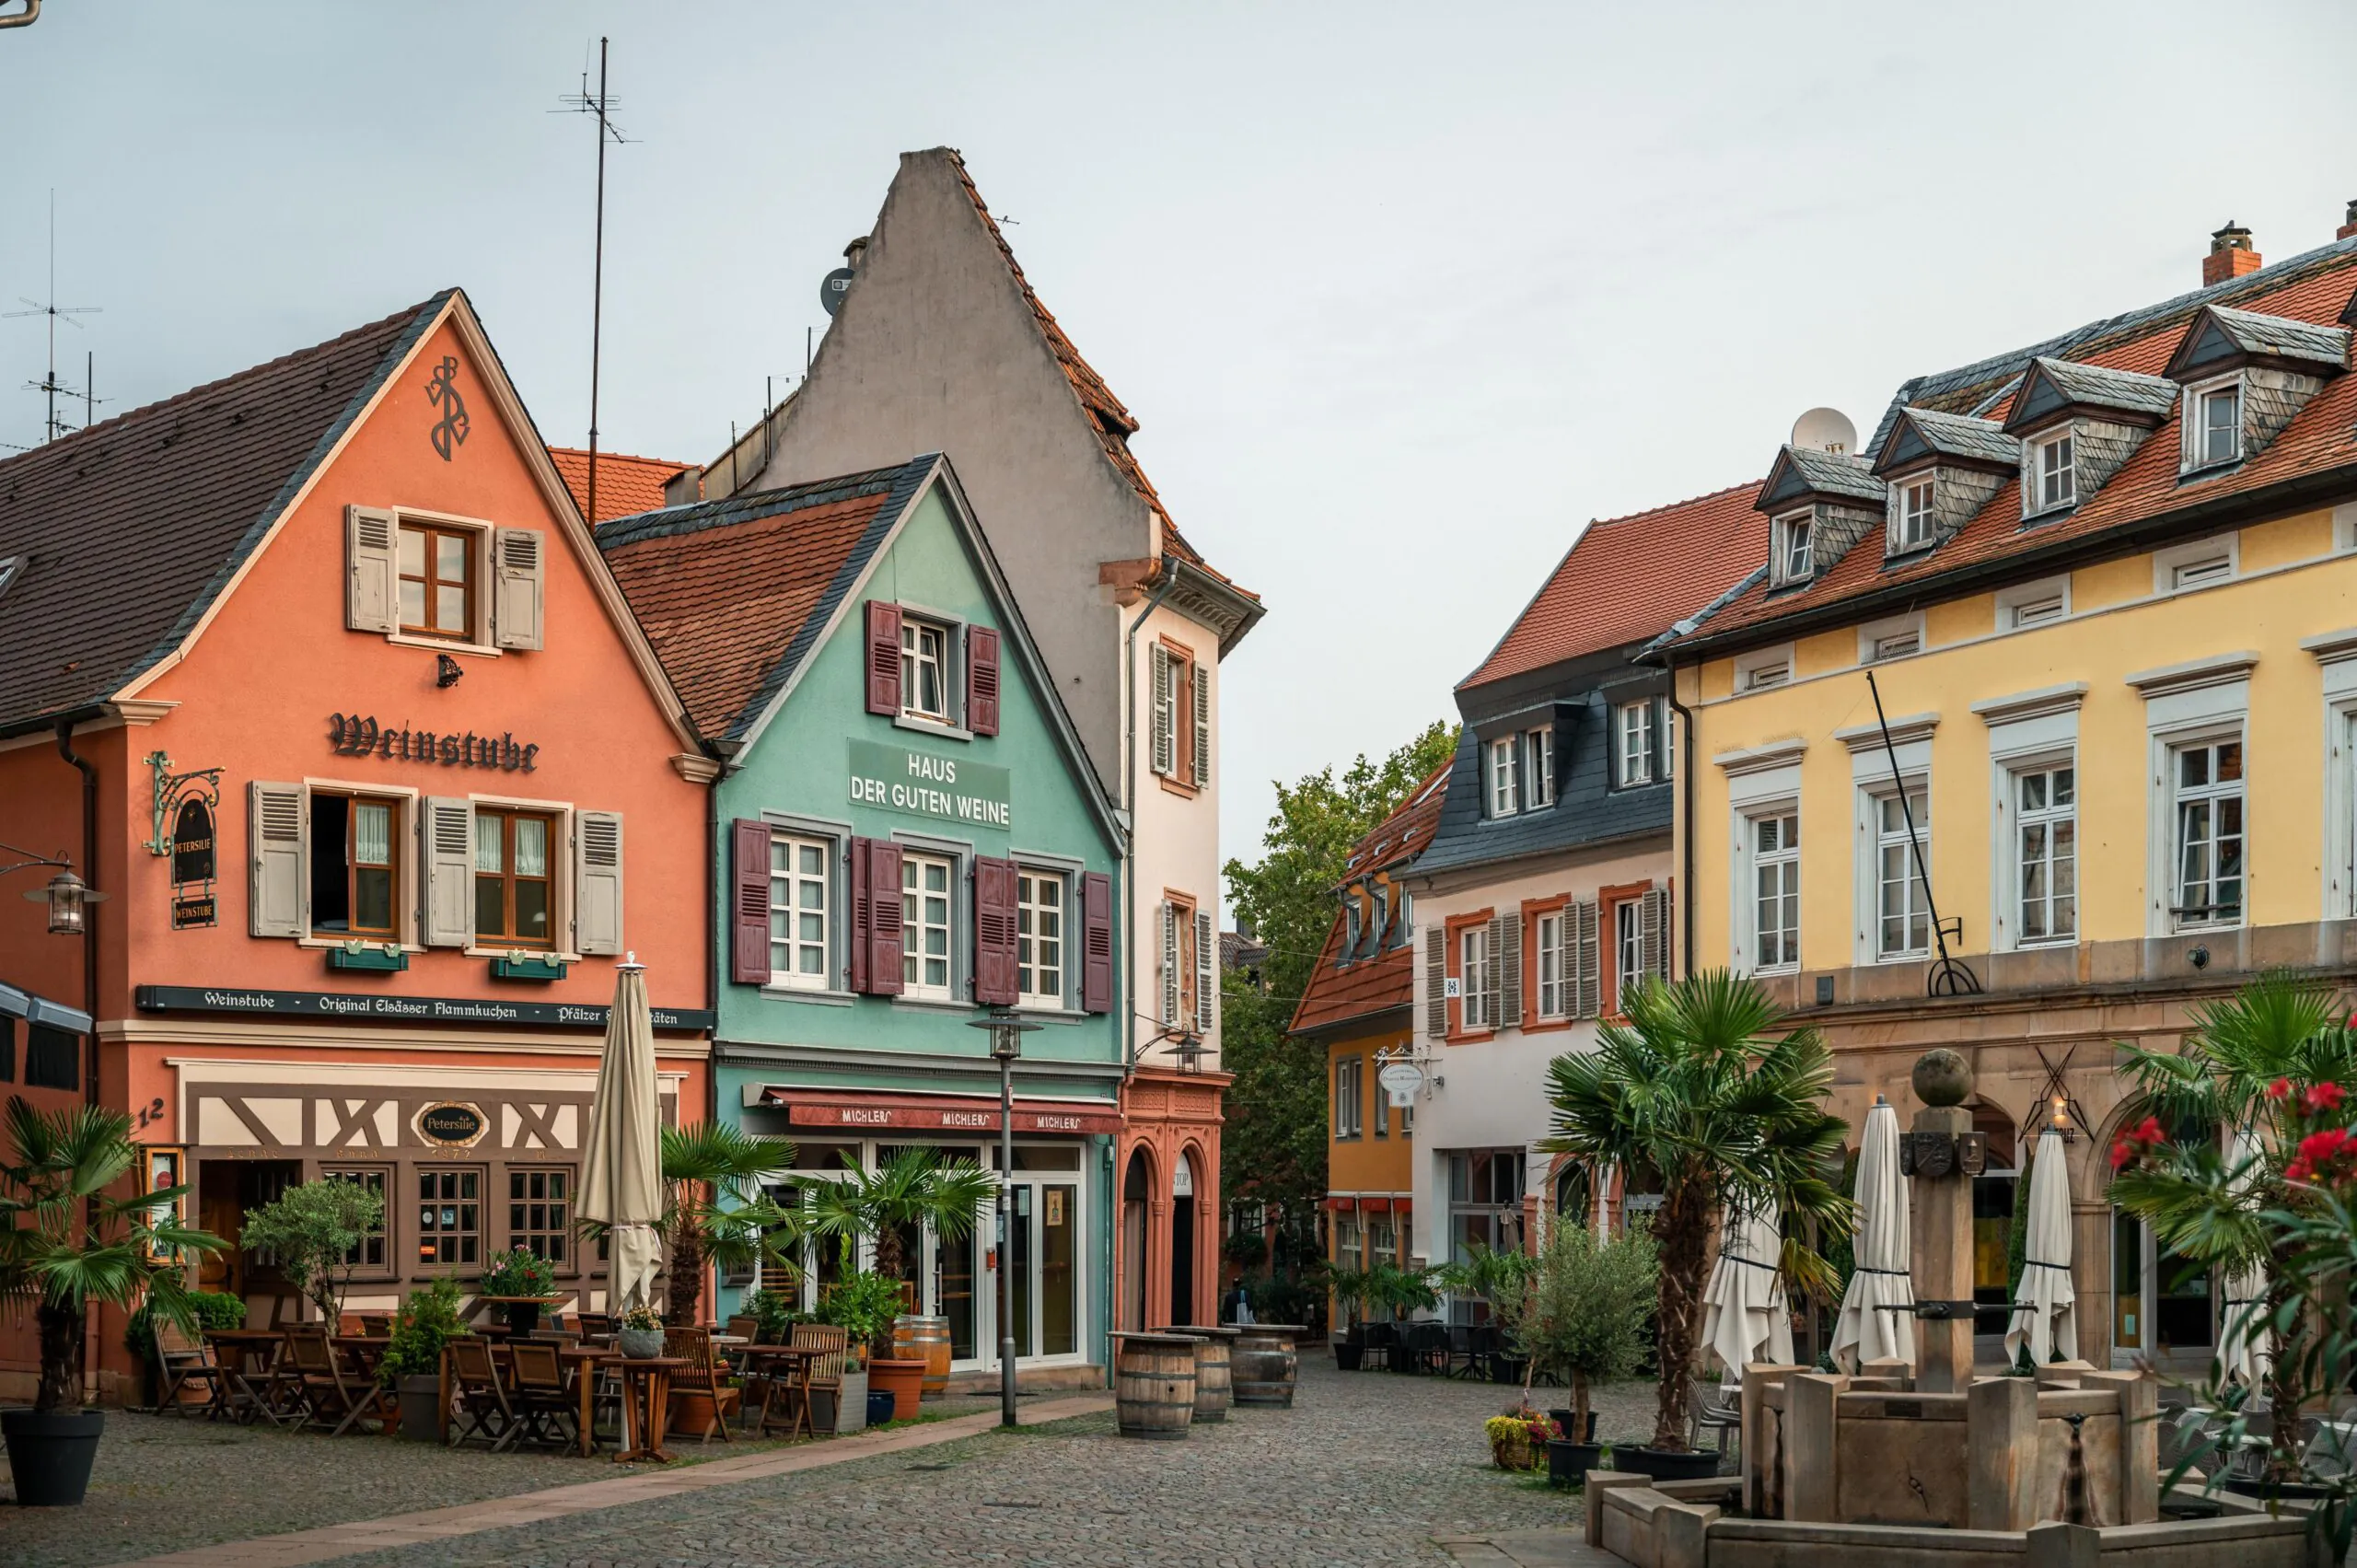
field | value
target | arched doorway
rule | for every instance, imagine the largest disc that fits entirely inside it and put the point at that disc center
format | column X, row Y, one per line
column 1182, row 1241
column 1575, row 1196
column 1998, row 1194
column 1137, row 1196
column 2164, row 1305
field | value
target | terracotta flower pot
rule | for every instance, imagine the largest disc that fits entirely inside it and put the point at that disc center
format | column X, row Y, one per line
column 903, row 1379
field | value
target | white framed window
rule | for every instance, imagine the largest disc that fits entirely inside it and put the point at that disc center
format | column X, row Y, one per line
column 1539, row 747
column 2206, row 861
column 1628, row 947
column 800, row 878
column 1633, row 743
column 926, row 884
column 1473, row 974
column 1775, row 892
column 1763, row 668
column 1793, row 557
column 1350, row 1095
column 1911, row 517
column 1040, row 937
column 2045, row 853
column 2204, row 561
column 2033, row 604
column 2214, row 424
column 925, row 670
column 2051, row 473
column 1505, row 778
column 1902, row 917
column 1548, row 946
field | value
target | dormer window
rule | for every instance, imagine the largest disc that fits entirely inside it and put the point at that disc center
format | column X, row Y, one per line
column 1506, row 779
column 2214, row 424
column 1795, row 561
column 1912, row 520
column 2052, row 481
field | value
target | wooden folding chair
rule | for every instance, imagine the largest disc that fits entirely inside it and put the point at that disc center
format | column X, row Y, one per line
column 481, row 1396
column 329, row 1393
column 592, row 1324
column 181, row 1360
column 538, row 1396
column 704, row 1375
column 833, row 1346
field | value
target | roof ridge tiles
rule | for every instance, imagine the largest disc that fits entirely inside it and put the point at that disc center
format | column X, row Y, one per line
column 749, row 507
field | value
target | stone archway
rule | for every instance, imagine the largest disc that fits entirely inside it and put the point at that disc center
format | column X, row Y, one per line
column 1185, row 1233
column 1136, row 1237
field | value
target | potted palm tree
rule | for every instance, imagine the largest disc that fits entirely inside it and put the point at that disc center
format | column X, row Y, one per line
column 63, row 1244
column 1587, row 1318
column 914, row 1189
column 714, row 1211
column 1350, row 1287
column 1696, row 1084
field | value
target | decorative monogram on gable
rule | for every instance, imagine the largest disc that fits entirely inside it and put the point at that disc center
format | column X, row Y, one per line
column 442, row 392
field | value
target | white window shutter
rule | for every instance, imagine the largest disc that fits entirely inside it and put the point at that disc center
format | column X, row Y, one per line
column 371, row 570
column 448, row 832
column 598, row 882
column 1206, row 973
column 517, row 568
column 278, row 884
column 1202, row 688
column 1508, row 939
column 1166, row 748
column 1169, row 963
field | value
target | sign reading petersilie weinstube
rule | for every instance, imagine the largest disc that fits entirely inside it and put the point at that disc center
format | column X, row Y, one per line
column 359, row 736
column 376, row 1008
column 947, row 789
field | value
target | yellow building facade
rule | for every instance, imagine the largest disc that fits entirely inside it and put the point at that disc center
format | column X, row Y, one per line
column 2105, row 591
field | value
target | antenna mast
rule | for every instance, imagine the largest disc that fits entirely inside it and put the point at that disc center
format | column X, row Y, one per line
column 582, row 103
column 49, row 386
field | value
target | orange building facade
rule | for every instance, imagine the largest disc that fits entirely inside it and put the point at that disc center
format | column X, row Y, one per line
column 381, row 783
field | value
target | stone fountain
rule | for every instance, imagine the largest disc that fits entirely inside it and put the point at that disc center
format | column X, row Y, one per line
column 1934, row 1464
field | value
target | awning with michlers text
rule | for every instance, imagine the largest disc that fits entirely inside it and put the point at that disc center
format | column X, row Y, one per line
column 936, row 1113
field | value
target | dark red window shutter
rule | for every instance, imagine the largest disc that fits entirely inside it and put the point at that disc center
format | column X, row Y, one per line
column 885, row 938
column 748, row 908
column 860, row 921
column 1096, row 942
column 883, row 657
column 996, row 982
column 981, row 680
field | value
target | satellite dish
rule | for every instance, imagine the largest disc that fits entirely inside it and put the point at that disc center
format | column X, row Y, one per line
column 833, row 286
column 1825, row 430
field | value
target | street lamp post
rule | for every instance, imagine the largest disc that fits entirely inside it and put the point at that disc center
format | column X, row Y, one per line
column 67, row 896
column 1006, row 1043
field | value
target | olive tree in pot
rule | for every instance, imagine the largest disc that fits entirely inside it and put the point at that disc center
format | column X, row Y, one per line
column 1696, row 1084
column 315, row 1230
column 1588, row 1312
column 63, row 1244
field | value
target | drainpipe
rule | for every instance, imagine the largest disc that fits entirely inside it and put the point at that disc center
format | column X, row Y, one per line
column 90, row 1338
column 1686, row 793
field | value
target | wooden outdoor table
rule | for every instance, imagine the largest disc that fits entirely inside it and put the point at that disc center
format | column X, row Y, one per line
column 809, row 1356
column 585, row 1360
column 243, row 1350
column 646, row 1405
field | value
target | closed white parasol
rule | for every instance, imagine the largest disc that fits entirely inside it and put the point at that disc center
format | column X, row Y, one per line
column 1745, row 1314
column 1866, row 1331
column 2046, row 1314
column 2243, row 1347
column 621, row 1182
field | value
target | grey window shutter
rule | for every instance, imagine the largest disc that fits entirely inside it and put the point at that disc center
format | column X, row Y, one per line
column 1169, row 963
column 1506, row 942
column 518, row 569
column 278, row 883
column 371, row 570
column 1199, row 680
column 1164, row 738
column 1497, row 929
column 1206, row 973
column 1590, row 958
column 1435, row 982
column 1652, row 955
column 447, row 835
column 598, row 882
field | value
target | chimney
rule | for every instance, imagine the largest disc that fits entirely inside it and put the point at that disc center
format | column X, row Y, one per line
column 2230, row 255
column 2350, row 227
column 855, row 252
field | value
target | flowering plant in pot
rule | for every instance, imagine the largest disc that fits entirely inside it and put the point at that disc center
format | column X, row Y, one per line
column 64, row 1244
column 1517, row 1438
column 522, row 1283
column 638, row 1334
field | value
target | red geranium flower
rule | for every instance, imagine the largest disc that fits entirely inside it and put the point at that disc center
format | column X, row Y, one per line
column 2325, row 1096
column 2280, row 1090
column 2122, row 1152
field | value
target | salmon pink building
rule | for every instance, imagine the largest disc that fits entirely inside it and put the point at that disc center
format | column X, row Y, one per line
column 317, row 674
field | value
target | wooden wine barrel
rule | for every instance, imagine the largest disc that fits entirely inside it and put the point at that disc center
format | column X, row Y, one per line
column 927, row 1340
column 1153, row 1385
column 1262, row 1364
column 1214, row 1391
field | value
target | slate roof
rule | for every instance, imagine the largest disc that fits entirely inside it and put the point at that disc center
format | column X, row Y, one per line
column 734, row 594
column 1338, row 992
column 1109, row 416
column 1626, row 580
column 626, row 485
column 1958, row 435
column 2283, row 336
column 187, row 489
column 2313, row 289
column 2151, row 396
column 1828, row 473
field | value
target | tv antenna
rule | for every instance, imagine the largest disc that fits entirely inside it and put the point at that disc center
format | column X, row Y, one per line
column 601, row 105
column 51, row 427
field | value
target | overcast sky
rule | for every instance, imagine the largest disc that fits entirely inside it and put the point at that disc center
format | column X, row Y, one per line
column 1401, row 295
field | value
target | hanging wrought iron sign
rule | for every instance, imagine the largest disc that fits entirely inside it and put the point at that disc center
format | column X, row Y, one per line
column 191, row 804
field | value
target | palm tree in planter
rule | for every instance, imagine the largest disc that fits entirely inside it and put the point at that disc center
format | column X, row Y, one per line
column 714, row 1211
column 1694, row 1084
column 63, row 1244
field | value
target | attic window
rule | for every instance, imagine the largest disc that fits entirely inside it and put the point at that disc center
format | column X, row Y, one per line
column 2214, row 424
column 2196, row 565
column 1911, row 524
column 11, row 568
column 1796, row 563
column 2051, row 478
column 1897, row 645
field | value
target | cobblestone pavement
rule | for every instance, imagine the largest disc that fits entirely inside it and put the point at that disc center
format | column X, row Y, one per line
column 1364, row 1468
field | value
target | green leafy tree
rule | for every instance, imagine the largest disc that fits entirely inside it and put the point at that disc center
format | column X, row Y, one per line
column 1273, row 1144
column 64, row 1244
column 315, row 1230
column 1588, row 1310
column 1695, row 1084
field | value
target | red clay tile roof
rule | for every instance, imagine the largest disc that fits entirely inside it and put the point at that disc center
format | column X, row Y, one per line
column 1338, row 992
column 733, row 594
column 132, row 527
column 1112, row 418
column 1630, row 579
column 626, row 485
column 2314, row 288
